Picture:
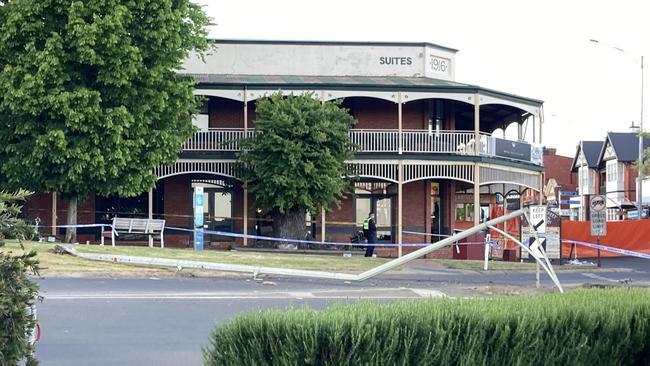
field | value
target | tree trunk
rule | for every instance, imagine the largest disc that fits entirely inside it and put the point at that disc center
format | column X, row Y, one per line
column 290, row 225
column 71, row 232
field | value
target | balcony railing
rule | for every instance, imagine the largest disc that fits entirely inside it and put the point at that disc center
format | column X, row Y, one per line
column 217, row 139
column 367, row 141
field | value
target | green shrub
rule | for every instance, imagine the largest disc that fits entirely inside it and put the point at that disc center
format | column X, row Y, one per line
column 583, row 327
column 16, row 289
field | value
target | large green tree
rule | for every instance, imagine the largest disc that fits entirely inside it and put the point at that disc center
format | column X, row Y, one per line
column 295, row 163
column 90, row 100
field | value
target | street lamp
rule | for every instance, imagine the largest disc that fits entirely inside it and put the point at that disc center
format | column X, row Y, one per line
column 639, row 194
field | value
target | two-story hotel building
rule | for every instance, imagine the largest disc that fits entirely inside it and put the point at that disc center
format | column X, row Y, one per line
column 428, row 160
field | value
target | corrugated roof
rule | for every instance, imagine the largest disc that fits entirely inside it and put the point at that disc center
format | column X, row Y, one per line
column 370, row 82
column 334, row 43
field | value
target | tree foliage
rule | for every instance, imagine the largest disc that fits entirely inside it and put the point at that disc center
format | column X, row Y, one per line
column 90, row 100
column 16, row 289
column 296, row 161
column 11, row 226
column 297, row 157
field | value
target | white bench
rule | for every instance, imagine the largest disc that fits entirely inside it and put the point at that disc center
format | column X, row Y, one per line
column 149, row 227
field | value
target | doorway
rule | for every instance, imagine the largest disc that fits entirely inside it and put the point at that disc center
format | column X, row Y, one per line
column 376, row 197
column 217, row 209
column 439, row 225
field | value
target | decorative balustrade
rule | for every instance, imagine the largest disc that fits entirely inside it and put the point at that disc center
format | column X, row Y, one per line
column 367, row 141
column 216, row 139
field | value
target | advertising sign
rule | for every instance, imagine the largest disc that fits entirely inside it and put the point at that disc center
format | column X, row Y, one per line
column 512, row 149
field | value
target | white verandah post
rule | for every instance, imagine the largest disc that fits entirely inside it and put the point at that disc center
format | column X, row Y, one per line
column 245, row 186
column 400, row 175
column 477, row 166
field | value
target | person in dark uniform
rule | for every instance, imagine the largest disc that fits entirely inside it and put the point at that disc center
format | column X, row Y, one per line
column 370, row 231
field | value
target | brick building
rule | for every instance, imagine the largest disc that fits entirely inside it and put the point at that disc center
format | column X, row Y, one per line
column 608, row 168
column 428, row 161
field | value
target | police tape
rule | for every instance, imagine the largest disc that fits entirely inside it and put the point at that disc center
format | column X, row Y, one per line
column 609, row 249
column 492, row 243
column 425, row 234
column 313, row 242
column 78, row 226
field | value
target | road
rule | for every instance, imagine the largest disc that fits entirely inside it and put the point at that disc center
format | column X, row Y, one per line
column 150, row 321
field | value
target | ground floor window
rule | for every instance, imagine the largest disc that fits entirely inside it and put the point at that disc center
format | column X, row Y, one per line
column 375, row 197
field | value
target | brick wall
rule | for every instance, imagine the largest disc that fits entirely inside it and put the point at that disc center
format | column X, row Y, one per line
column 374, row 113
column 40, row 205
column 177, row 208
column 238, row 213
column 228, row 113
column 559, row 168
column 338, row 222
column 629, row 183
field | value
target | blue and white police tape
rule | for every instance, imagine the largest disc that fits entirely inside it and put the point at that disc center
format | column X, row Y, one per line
column 425, row 234
column 610, row 249
column 80, row 225
column 298, row 241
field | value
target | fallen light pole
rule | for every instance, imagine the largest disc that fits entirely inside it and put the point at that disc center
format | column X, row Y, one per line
column 255, row 270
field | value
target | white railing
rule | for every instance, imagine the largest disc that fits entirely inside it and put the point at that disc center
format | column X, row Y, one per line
column 375, row 140
column 366, row 141
column 216, row 139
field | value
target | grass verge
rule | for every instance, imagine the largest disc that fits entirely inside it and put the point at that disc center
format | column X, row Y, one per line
column 57, row 264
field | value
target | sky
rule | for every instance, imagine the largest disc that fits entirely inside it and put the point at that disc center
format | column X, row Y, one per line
column 537, row 49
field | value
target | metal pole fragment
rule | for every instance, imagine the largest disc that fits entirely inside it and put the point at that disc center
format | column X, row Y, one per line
column 295, row 272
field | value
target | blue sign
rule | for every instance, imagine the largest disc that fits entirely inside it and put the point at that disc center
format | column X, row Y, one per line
column 198, row 207
column 198, row 239
column 198, row 218
column 568, row 194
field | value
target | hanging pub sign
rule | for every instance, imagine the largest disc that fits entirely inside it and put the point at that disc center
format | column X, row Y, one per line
column 513, row 199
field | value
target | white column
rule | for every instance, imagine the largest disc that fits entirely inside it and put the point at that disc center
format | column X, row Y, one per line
column 400, row 179
column 505, row 210
column 54, row 199
column 399, row 123
column 541, row 124
column 477, row 166
column 322, row 225
column 322, row 211
column 150, row 203
column 534, row 135
column 245, row 214
column 245, row 185
column 245, row 113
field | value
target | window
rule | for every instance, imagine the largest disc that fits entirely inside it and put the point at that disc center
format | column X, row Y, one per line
column 612, row 171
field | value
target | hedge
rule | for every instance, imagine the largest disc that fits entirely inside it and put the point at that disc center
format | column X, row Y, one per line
column 582, row 327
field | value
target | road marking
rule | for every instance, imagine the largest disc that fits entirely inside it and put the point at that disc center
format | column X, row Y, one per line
column 597, row 277
column 366, row 293
column 429, row 293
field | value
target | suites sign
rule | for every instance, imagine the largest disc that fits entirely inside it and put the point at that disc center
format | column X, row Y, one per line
column 326, row 59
